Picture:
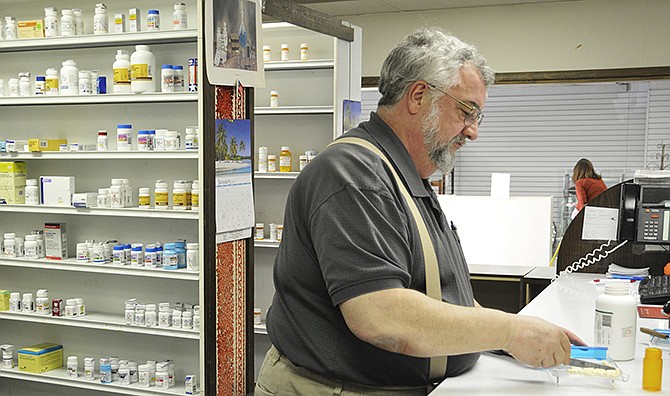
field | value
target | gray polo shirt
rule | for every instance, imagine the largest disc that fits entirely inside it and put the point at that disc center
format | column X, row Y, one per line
column 348, row 232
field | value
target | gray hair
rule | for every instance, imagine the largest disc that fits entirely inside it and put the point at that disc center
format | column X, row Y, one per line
column 428, row 54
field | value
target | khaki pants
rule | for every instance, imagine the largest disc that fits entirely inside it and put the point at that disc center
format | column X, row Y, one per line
column 279, row 376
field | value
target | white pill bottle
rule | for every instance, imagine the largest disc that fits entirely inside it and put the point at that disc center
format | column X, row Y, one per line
column 615, row 321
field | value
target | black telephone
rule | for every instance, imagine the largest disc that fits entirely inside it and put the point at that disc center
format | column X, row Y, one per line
column 644, row 213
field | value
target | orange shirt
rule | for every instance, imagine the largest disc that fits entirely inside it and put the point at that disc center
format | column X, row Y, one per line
column 587, row 189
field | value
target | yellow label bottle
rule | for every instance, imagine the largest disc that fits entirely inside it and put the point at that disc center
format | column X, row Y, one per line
column 285, row 159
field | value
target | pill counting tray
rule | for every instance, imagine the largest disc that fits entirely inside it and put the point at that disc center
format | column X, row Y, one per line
column 569, row 375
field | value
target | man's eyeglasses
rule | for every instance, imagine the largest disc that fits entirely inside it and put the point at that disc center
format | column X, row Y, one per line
column 474, row 114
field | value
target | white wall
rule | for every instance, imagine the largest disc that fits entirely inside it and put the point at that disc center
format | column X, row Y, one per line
column 576, row 35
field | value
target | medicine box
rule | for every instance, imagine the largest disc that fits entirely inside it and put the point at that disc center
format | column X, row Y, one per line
column 134, row 20
column 85, row 200
column 55, row 241
column 119, row 23
column 56, row 190
column 40, row 358
column 13, row 182
column 45, row 144
column 4, row 300
column 30, row 29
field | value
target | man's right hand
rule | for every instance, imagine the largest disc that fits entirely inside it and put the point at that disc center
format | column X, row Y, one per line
column 536, row 342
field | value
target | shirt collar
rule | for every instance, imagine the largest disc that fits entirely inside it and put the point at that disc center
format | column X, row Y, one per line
column 397, row 153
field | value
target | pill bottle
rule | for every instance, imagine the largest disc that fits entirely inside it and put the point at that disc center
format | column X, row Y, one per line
column 24, row 86
column 103, row 140
column 153, row 20
column 162, row 379
column 191, row 140
column 114, row 362
column 164, row 316
column 7, row 356
column 284, row 52
column 67, row 26
column 280, row 232
column 167, row 78
column 103, row 198
column 19, row 247
column 170, row 258
column 105, row 371
column 615, row 321
column 142, row 69
column 72, row 367
column 15, row 302
column 144, row 198
column 140, row 315
column 161, row 195
column 137, row 255
column 100, row 21
column 285, row 159
column 176, row 319
column 304, row 52
column 142, row 140
column 196, row 320
column 40, row 85
column 178, row 72
column 260, row 232
column 257, row 316
column 150, row 256
column 118, row 255
column 121, row 68
column 128, row 193
column 32, row 251
column 272, row 163
column 11, row 29
column 195, row 195
column 274, row 99
column 42, row 302
column 27, row 303
column 187, row 320
column 267, row 53
column 652, row 370
column 180, row 248
column 85, row 87
column 98, row 253
column 179, row 17
column 124, row 374
column 39, row 238
column 192, row 256
column 263, row 159
column 82, row 252
column 151, row 316
column 51, row 25
column 124, row 137
column 179, row 196
column 13, row 85
column 172, row 142
column 273, row 231
column 9, row 244
column 144, row 373
column 78, row 21
column 69, row 78
column 52, row 82
column 89, row 368
column 32, row 192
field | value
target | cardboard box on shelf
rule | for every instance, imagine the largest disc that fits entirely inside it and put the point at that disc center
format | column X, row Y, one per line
column 40, row 358
column 45, row 144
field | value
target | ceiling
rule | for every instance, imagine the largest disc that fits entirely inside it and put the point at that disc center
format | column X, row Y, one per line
column 340, row 8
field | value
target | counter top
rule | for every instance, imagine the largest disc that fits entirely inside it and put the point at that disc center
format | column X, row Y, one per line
column 567, row 302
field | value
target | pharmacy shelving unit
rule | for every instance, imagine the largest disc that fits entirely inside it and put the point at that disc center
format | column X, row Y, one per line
column 102, row 332
column 309, row 116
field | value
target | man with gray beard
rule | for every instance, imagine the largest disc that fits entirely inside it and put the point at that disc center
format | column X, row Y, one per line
column 356, row 311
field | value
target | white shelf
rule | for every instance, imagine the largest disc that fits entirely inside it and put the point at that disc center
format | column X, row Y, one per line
column 149, row 97
column 275, row 175
column 300, row 65
column 100, row 155
column 59, row 377
column 74, row 265
column 99, row 321
column 110, row 212
column 100, row 40
column 266, row 243
column 294, row 110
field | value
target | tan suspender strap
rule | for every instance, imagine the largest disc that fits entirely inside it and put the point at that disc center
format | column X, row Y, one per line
column 438, row 364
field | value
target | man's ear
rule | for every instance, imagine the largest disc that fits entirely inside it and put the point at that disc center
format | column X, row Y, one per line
column 417, row 96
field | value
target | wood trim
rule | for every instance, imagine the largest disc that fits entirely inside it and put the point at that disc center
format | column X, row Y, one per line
column 249, row 319
column 568, row 76
column 299, row 15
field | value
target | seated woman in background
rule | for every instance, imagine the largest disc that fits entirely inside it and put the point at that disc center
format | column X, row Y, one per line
column 588, row 184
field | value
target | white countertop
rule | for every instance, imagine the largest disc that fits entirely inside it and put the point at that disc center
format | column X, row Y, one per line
column 568, row 302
